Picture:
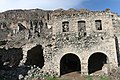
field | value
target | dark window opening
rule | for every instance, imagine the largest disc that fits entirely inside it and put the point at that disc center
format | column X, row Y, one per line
column 31, row 25
column 98, row 24
column 3, row 25
column 1, row 63
column 41, row 24
column 48, row 17
column 112, row 16
column 102, row 38
column 81, row 28
column 35, row 56
column 85, row 34
column 46, row 25
column 96, row 62
column 69, row 63
column 65, row 26
column 113, row 22
column 35, row 23
column 117, row 50
column 21, row 27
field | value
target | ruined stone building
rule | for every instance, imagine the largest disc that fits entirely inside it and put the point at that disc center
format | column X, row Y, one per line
column 60, row 41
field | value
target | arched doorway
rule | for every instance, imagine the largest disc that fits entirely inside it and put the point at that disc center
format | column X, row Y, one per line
column 96, row 62
column 69, row 63
column 35, row 56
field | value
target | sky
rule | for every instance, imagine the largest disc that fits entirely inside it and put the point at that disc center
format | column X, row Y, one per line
column 114, row 5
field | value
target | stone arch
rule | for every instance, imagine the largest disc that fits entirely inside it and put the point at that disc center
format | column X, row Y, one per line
column 69, row 63
column 96, row 62
column 35, row 56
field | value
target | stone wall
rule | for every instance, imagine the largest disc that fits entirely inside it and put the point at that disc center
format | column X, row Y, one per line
column 116, row 23
column 63, row 32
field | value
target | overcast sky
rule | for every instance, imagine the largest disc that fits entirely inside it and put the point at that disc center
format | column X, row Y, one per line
column 114, row 5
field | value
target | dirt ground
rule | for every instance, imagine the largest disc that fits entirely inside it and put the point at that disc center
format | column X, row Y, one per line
column 78, row 76
column 72, row 76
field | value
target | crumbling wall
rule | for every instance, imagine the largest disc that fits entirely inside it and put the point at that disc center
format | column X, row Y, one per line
column 116, row 25
column 11, row 57
column 60, row 32
column 9, row 61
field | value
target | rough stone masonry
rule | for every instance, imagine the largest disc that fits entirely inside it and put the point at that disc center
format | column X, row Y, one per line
column 60, row 41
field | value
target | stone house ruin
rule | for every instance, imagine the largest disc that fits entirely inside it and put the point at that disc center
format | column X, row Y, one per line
column 60, row 41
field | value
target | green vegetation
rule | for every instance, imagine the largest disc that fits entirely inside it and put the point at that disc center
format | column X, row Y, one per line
column 104, row 78
column 51, row 78
column 97, row 78
column 89, row 77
